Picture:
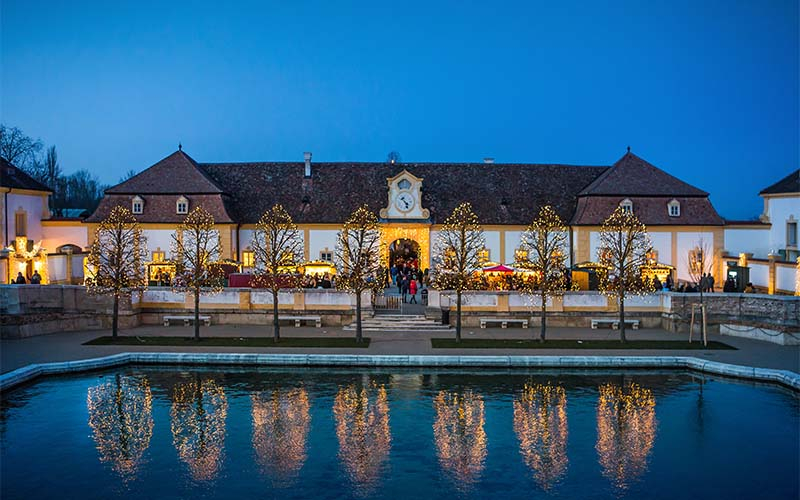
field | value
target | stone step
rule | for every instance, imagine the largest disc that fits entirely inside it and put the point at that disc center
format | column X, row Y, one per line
column 427, row 328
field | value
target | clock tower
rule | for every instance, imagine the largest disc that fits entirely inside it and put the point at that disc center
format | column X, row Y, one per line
column 405, row 198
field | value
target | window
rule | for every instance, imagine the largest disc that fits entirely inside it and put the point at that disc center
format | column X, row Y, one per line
column 21, row 223
column 326, row 255
column 520, row 255
column 627, row 205
column 158, row 255
column 137, row 205
column 791, row 234
column 674, row 208
column 182, row 207
column 483, row 256
column 248, row 258
column 404, row 184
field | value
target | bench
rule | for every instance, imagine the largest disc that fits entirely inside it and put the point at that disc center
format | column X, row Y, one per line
column 504, row 322
column 187, row 320
column 614, row 323
column 299, row 319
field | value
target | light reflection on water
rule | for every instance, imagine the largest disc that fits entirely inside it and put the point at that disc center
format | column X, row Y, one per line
column 240, row 434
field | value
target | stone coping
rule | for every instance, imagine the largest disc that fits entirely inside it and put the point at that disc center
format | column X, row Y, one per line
column 30, row 372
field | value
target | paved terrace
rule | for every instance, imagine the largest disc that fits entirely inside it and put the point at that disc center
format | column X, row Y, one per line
column 68, row 346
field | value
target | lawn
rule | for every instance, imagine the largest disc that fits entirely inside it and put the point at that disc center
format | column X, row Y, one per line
column 449, row 343
column 331, row 342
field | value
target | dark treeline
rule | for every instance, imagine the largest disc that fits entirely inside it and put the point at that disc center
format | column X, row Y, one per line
column 73, row 193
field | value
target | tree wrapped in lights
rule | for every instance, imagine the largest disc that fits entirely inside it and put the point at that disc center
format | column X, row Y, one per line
column 545, row 240
column 624, row 244
column 364, row 434
column 359, row 254
column 277, row 245
column 121, row 419
column 195, row 248
column 456, row 255
column 540, row 422
column 459, row 435
column 199, row 408
column 281, row 420
column 116, row 260
column 626, row 431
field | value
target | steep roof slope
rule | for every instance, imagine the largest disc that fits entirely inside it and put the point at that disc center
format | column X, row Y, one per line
column 15, row 178
column 178, row 173
column 633, row 176
column 788, row 185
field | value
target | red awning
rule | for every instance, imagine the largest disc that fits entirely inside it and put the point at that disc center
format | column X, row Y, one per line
column 498, row 269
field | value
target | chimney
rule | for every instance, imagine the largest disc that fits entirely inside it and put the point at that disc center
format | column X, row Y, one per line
column 488, row 160
column 307, row 158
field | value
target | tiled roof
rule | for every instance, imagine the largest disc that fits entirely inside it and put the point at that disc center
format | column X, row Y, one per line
column 633, row 176
column 788, row 185
column 178, row 173
column 162, row 208
column 15, row 178
column 499, row 193
column 694, row 210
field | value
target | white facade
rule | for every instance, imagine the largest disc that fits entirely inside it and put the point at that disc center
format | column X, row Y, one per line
column 781, row 211
column 33, row 206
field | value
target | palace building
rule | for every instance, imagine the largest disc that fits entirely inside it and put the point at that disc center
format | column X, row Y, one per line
column 413, row 199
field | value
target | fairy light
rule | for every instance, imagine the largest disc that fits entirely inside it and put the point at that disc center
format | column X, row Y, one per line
column 459, row 435
column 18, row 251
column 198, row 416
column 540, row 422
column 626, row 431
column 121, row 419
column 364, row 434
column 281, row 421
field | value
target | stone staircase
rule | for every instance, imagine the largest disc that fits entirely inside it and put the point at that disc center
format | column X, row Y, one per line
column 398, row 323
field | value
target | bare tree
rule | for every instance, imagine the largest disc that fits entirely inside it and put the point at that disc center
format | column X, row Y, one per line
column 127, row 175
column 624, row 244
column 117, row 258
column 276, row 245
column 701, row 263
column 457, row 255
column 358, row 257
column 195, row 248
column 545, row 240
column 393, row 157
column 18, row 148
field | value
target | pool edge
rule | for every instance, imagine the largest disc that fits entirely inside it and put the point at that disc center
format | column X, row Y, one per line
column 28, row 373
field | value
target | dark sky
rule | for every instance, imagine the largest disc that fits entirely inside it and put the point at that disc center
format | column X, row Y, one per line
column 707, row 90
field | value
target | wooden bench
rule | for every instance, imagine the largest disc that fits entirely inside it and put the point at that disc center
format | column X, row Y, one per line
column 614, row 323
column 299, row 319
column 187, row 320
column 504, row 322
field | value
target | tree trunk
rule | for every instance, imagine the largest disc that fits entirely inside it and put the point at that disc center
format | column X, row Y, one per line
column 358, row 317
column 544, row 317
column 115, row 317
column 197, row 314
column 458, row 316
column 276, row 331
column 622, row 318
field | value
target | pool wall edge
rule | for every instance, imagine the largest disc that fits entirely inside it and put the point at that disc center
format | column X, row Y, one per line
column 30, row 372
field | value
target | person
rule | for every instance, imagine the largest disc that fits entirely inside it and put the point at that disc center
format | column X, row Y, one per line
column 412, row 289
column 656, row 284
column 670, row 283
column 703, row 285
column 393, row 272
column 749, row 288
column 729, row 286
column 404, row 287
column 400, row 278
column 20, row 279
column 36, row 279
column 710, row 281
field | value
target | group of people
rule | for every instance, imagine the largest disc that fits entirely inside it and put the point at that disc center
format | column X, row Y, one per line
column 407, row 278
column 35, row 279
column 318, row 281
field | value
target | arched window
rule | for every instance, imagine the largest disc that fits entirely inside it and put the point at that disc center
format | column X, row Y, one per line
column 627, row 205
column 182, row 206
column 137, row 205
column 674, row 208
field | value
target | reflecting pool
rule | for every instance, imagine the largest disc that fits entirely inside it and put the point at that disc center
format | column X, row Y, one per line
column 169, row 432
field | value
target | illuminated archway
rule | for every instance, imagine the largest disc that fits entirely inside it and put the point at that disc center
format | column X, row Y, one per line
column 420, row 234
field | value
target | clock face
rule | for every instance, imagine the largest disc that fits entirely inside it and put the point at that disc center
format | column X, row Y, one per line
column 404, row 202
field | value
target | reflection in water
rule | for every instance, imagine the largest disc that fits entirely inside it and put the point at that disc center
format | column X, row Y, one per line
column 281, row 420
column 362, row 427
column 459, row 435
column 121, row 418
column 198, row 426
column 626, row 431
column 540, row 421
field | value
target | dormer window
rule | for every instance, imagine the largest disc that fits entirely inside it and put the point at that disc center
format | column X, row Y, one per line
column 182, row 206
column 137, row 205
column 674, row 208
column 626, row 205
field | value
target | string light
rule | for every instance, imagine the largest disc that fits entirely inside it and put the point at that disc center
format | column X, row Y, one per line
column 198, row 416
column 281, row 420
column 459, row 436
column 626, row 431
column 364, row 434
column 540, row 422
column 18, row 251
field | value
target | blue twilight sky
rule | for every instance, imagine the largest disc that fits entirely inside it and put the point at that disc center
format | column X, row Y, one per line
column 707, row 90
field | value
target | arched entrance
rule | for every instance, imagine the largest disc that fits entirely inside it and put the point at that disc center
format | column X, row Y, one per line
column 404, row 252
